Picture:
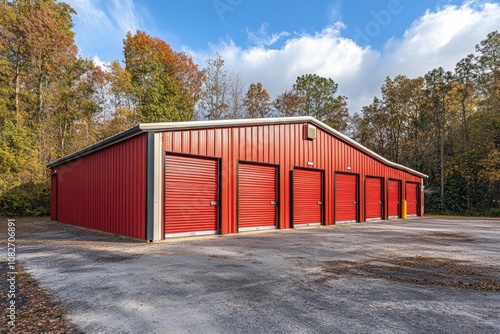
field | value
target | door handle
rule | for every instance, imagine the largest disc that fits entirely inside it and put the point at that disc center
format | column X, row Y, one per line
column 213, row 203
column 380, row 202
column 397, row 202
column 319, row 202
column 273, row 203
column 354, row 202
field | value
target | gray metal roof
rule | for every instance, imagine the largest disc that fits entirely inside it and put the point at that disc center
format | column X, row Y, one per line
column 168, row 126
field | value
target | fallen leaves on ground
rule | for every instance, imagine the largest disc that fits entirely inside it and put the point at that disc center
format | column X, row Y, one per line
column 36, row 310
column 419, row 270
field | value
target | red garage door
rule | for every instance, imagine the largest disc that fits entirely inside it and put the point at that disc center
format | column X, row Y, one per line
column 374, row 198
column 307, row 197
column 191, row 195
column 346, row 197
column 394, row 198
column 412, row 198
column 256, row 196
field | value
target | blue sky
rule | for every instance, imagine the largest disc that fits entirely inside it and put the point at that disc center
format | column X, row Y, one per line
column 356, row 43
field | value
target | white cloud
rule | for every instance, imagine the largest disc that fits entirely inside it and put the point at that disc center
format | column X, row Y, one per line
column 335, row 12
column 263, row 38
column 90, row 14
column 124, row 15
column 439, row 38
column 325, row 53
column 104, row 65
column 103, row 24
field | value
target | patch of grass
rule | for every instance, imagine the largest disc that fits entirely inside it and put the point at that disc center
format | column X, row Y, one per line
column 494, row 212
column 24, row 315
column 59, row 315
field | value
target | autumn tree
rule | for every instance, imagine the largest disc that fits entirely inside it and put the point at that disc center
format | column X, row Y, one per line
column 371, row 129
column 214, row 99
column 402, row 105
column 119, row 110
column 465, row 75
column 76, row 107
column 321, row 100
column 488, row 69
column 41, row 75
column 165, row 85
column 38, row 38
column 289, row 104
column 447, row 126
column 120, row 88
column 486, row 124
column 189, row 80
column 257, row 101
column 235, row 97
column 438, row 85
column 4, row 78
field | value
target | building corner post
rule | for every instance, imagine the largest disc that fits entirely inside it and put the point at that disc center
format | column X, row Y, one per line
column 150, row 171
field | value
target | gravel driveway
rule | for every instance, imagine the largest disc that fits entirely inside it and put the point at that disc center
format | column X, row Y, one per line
column 421, row 275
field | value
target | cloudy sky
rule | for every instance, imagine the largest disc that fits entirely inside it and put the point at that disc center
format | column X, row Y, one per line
column 356, row 43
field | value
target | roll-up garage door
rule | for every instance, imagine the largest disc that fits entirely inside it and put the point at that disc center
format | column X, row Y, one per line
column 257, row 199
column 394, row 198
column 374, row 198
column 307, row 197
column 191, row 195
column 346, row 197
column 412, row 198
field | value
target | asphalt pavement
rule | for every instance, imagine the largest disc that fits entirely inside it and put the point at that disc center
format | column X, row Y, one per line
column 420, row 275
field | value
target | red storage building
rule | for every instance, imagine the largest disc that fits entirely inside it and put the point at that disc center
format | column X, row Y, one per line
column 161, row 180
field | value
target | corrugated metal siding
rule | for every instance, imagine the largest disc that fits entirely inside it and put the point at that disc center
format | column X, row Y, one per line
column 256, row 192
column 374, row 197
column 53, row 197
column 346, row 197
column 307, row 197
column 394, row 198
column 284, row 145
column 412, row 198
column 191, row 185
column 106, row 190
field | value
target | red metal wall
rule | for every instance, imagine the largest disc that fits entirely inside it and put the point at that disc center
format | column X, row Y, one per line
column 106, row 190
column 282, row 144
column 53, row 197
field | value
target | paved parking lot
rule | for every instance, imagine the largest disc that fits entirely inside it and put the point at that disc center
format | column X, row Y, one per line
column 421, row 275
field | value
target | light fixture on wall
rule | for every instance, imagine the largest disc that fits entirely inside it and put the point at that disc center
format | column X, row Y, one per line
column 349, row 168
column 310, row 163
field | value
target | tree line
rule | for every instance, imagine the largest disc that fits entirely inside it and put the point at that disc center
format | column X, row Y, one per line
column 447, row 125
column 54, row 102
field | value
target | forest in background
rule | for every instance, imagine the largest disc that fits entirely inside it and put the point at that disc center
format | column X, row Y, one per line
column 53, row 102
